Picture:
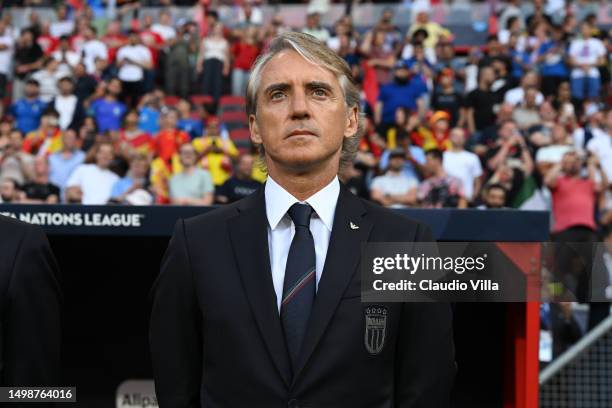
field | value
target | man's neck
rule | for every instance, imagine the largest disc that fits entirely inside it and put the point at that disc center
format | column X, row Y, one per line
column 457, row 148
column 302, row 185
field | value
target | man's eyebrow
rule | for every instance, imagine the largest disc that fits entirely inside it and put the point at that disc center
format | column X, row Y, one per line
column 283, row 86
column 319, row 84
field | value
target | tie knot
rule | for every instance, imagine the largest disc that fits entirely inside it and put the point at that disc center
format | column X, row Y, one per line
column 300, row 214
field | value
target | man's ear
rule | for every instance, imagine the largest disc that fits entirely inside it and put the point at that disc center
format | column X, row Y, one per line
column 254, row 128
column 352, row 122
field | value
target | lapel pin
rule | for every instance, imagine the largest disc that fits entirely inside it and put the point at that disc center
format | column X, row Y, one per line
column 354, row 226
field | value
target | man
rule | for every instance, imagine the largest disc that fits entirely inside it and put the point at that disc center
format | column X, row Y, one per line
column 241, row 184
column 517, row 95
column 31, row 302
column 67, row 58
column 92, row 183
column 92, row 49
column 217, row 151
column 395, row 189
column 494, row 196
column 573, row 208
column 7, row 44
column 135, row 182
column 28, row 58
column 47, row 138
column 463, row 164
column 440, row 189
column 64, row 162
column 225, row 313
column 192, row 185
column 586, row 55
column 15, row 163
column 133, row 59
column 9, row 190
column 314, row 28
column 402, row 92
column 27, row 111
column 108, row 111
column 47, row 78
column 480, row 103
column 549, row 155
column 70, row 109
column 167, row 161
column 40, row 190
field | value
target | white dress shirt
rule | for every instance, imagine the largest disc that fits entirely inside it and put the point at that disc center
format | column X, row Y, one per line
column 281, row 228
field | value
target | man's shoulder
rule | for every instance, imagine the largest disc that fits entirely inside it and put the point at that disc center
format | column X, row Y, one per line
column 12, row 231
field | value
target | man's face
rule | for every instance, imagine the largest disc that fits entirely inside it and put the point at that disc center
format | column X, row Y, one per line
column 7, row 190
column 559, row 136
column 114, row 87
column 66, row 87
column 69, row 139
column 31, row 90
column 245, row 165
column 496, row 198
column 187, row 155
column 457, row 137
column 301, row 116
column 570, row 163
column 16, row 140
column 104, row 156
column 139, row 168
column 41, row 168
column 171, row 119
column 507, row 130
column 396, row 163
column 432, row 164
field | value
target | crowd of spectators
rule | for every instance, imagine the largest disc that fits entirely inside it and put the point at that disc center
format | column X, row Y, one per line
column 142, row 113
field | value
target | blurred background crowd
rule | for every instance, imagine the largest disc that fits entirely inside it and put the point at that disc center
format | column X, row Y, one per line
column 147, row 106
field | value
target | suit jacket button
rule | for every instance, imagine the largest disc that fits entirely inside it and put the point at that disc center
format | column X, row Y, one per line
column 293, row 404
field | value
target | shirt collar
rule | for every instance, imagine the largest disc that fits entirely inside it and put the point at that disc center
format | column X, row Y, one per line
column 279, row 200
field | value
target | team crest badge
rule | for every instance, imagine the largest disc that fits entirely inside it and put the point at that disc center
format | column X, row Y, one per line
column 375, row 328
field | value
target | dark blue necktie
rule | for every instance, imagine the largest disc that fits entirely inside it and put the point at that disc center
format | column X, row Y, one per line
column 299, row 286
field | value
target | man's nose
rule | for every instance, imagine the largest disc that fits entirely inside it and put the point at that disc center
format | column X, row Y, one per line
column 299, row 105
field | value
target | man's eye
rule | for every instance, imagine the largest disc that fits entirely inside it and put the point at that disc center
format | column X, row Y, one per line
column 320, row 92
column 277, row 95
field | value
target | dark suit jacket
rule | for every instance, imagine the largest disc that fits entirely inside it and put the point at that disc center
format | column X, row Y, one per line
column 216, row 337
column 30, row 300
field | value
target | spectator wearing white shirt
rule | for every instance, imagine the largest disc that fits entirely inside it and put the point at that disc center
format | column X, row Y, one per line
column 314, row 28
column 68, row 59
column 7, row 44
column 592, row 128
column 517, row 95
column 133, row 59
column 66, row 103
column 92, row 183
column 548, row 156
column 601, row 145
column 63, row 25
column 463, row 164
column 394, row 189
column 164, row 28
column 47, row 78
column 586, row 54
column 92, row 49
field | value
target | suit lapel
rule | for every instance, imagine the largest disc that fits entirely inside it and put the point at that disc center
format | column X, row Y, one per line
column 249, row 236
column 341, row 261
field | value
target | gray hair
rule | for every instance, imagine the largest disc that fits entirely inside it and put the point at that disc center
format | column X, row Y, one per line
column 318, row 53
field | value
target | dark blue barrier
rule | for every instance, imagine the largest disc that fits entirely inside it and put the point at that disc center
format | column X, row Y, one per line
column 447, row 224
